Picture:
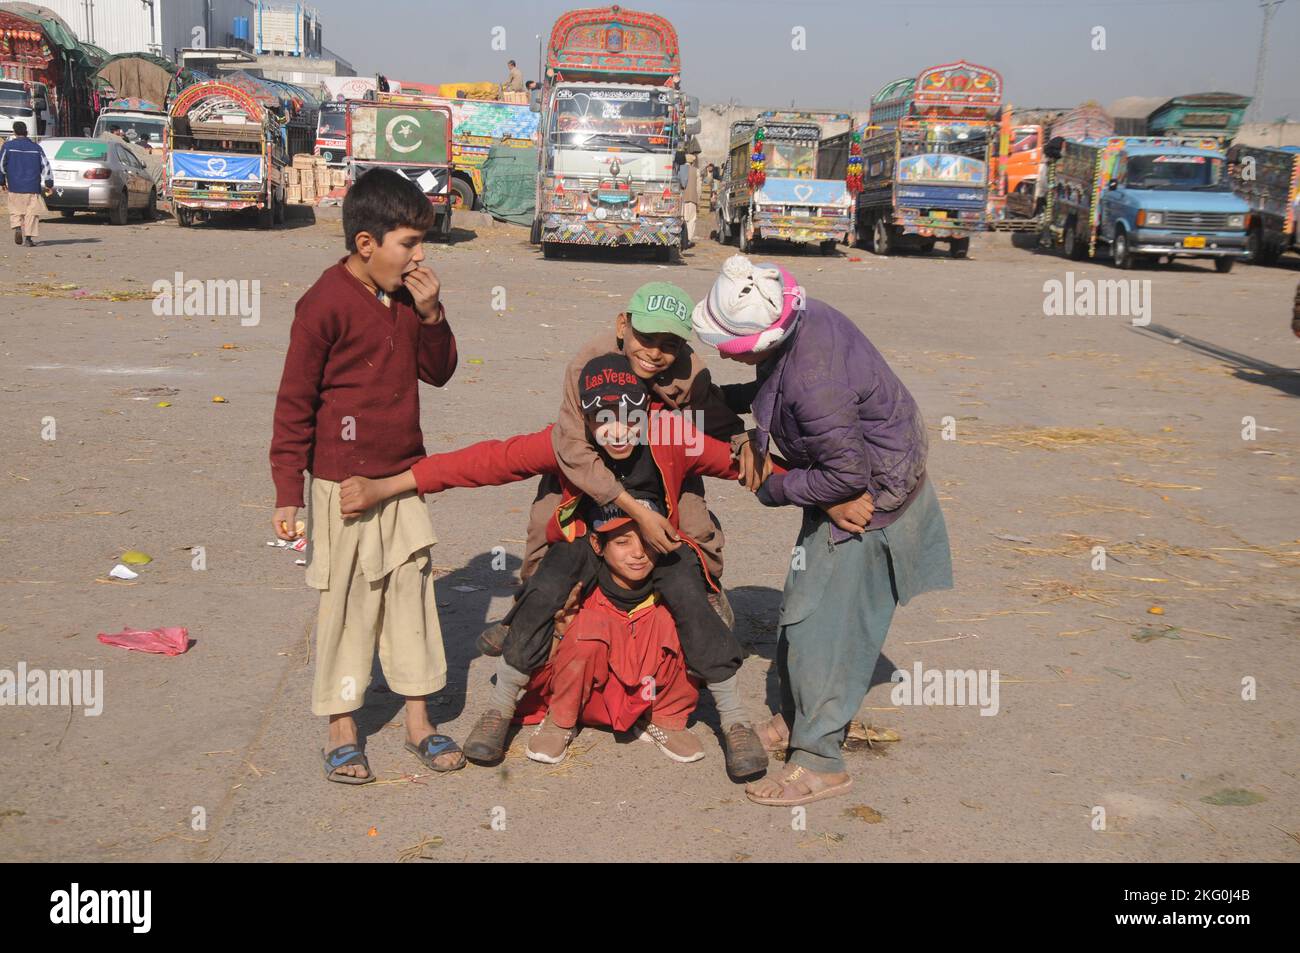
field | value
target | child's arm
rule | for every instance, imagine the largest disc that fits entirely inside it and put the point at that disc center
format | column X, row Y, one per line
column 714, row 459
column 294, row 427
column 437, row 357
column 487, row 463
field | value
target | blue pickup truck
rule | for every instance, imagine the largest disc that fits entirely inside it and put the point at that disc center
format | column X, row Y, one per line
column 1143, row 198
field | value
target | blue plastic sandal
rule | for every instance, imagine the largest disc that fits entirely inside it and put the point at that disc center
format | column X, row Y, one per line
column 432, row 746
column 342, row 756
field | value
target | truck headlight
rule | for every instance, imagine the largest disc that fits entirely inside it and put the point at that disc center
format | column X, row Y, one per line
column 1155, row 218
column 1236, row 221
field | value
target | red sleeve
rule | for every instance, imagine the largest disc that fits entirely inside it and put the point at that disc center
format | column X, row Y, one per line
column 294, row 430
column 437, row 358
column 489, row 463
column 714, row 460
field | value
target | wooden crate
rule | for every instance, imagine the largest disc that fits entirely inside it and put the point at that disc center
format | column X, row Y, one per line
column 293, row 195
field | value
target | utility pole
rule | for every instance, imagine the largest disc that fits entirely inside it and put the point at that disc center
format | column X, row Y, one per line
column 1269, row 7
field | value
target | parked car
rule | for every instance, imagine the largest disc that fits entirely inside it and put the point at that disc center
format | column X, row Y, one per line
column 99, row 175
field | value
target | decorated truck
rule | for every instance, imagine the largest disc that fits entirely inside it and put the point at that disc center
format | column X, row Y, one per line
column 476, row 126
column 1143, row 198
column 410, row 136
column 225, row 153
column 919, row 169
column 1268, row 179
column 613, row 130
column 771, row 188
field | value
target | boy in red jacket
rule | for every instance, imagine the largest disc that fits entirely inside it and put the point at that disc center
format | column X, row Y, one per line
column 363, row 336
column 619, row 663
column 654, row 455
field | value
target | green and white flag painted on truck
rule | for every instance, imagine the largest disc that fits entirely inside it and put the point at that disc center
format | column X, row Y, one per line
column 409, row 135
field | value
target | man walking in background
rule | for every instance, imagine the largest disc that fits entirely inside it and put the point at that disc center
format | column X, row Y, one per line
column 25, row 174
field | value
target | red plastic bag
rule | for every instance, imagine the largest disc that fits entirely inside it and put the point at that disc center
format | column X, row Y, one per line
column 170, row 640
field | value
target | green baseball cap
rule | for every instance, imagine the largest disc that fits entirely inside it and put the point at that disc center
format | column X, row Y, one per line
column 661, row 308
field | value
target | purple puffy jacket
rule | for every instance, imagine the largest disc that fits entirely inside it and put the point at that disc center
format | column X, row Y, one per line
column 842, row 419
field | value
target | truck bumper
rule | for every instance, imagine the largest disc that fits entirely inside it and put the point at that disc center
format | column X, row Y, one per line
column 578, row 229
column 811, row 230
column 1154, row 241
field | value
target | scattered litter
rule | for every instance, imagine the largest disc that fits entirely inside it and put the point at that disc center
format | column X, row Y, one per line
column 1148, row 634
column 418, row 851
column 163, row 403
column 133, row 557
column 373, row 832
column 475, row 360
column 229, row 347
column 1233, row 797
column 1120, row 673
column 855, row 259
column 121, row 572
column 864, row 813
column 169, row 640
column 1012, row 539
column 300, row 562
column 1156, row 610
column 220, row 400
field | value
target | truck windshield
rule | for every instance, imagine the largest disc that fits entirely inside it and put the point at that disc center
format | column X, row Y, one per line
column 1176, row 173
column 950, row 138
column 791, row 160
column 626, row 118
column 140, row 131
column 14, row 97
column 333, row 124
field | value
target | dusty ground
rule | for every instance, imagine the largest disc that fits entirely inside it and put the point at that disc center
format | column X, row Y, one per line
column 1070, row 433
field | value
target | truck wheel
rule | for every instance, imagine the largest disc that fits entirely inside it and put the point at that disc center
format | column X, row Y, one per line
column 959, row 248
column 119, row 210
column 551, row 250
column 745, row 236
column 882, row 242
column 535, row 235
column 1075, row 248
column 462, row 195
column 1224, row 265
column 183, row 218
column 1119, row 251
column 828, row 248
column 860, row 238
column 266, row 216
column 151, row 208
column 925, row 246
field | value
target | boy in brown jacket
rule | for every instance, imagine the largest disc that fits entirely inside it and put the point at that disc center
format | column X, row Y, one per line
column 363, row 336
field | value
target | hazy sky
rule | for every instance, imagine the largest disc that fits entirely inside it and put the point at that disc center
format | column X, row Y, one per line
column 742, row 50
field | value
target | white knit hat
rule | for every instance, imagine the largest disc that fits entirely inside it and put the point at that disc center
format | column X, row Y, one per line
column 750, row 307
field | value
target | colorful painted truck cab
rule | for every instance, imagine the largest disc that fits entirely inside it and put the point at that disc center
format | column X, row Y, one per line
column 1212, row 116
column 332, row 134
column 613, row 129
column 225, row 153
column 1143, row 198
column 410, row 136
column 922, row 170
column 1268, row 179
column 771, row 189
column 476, row 126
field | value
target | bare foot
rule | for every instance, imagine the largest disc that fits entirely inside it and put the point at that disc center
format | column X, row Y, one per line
column 343, row 731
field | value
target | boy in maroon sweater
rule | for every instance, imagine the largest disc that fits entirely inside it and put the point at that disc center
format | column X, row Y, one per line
column 363, row 335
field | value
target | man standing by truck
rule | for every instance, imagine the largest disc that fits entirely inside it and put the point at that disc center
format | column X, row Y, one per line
column 25, row 174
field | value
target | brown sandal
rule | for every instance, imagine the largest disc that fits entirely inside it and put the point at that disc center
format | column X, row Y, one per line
column 799, row 786
column 773, row 733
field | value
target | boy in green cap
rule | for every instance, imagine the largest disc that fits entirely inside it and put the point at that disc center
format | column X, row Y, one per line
column 652, row 333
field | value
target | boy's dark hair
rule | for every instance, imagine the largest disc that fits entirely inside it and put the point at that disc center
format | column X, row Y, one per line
column 381, row 201
column 20, row 128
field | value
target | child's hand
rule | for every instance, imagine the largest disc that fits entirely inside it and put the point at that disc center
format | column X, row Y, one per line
column 656, row 529
column 753, row 471
column 425, row 289
column 285, row 522
column 853, row 515
column 358, row 494
column 568, row 612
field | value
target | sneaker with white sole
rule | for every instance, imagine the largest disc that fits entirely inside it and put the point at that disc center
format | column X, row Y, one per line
column 550, row 743
column 682, row 746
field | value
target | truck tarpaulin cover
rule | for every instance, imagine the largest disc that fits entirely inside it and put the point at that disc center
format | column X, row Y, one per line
column 138, row 78
column 226, row 168
column 510, row 184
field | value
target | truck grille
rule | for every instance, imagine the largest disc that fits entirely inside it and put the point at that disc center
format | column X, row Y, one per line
column 1206, row 220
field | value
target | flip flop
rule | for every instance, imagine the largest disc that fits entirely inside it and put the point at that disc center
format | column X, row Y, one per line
column 817, row 789
column 342, row 756
column 430, row 747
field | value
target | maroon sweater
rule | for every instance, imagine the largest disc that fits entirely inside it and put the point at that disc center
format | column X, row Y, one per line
column 351, row 357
